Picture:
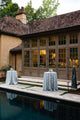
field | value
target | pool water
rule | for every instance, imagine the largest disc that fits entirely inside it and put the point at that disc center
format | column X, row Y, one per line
column 18, row 107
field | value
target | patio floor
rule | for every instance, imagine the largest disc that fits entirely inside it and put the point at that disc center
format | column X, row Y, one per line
column 36, row 90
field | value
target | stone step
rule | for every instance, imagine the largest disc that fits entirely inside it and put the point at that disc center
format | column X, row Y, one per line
column 64, row 84
column 39, row 81
column 41, row 78
column 28, row 82
column 35, row 83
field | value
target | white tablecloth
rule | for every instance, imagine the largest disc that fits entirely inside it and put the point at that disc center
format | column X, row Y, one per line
column 11, row 77
column 50, row 81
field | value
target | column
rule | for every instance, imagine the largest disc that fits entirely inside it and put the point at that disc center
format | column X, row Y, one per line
column 67, row 55
column 79, row 56
column 47, row 53
column 56, row 52
column 30, row 70
column 22, row 57
column 38, row 46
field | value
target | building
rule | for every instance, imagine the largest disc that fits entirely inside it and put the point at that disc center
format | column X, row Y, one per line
column 10, row 29
column 52, row 43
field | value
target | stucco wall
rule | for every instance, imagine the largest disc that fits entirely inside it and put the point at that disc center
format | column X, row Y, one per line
column 0, row 50
column 7, row 43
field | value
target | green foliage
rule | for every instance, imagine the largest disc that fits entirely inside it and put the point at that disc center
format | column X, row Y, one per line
column 39, row 14
column 10, row 10
column 64, row 93
column 33, row 14
column 50, row 7
column 5, row 68
column 6, row 2
column 30, row 12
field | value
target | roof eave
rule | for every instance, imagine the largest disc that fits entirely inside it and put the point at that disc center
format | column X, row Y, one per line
column 15, row 51
column 53, row 30
column 10, row 34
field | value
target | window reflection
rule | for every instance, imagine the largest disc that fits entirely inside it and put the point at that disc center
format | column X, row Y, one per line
column 34, row 58
column 26, row 58
column 62, row 40
column 34, row 43
column 52, row 40
column 42, row 58
column 52, row 56
column 43, row 42
column 73, row 38
column 41, row 104
column 73, row 57
column 27, row 44
column 62, row 57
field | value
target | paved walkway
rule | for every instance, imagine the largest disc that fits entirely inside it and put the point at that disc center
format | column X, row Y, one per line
column 60, row 94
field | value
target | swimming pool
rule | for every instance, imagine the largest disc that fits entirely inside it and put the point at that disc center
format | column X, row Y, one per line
column 19, row 107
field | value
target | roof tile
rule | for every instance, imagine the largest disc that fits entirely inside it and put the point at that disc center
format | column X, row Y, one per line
column 14, row 26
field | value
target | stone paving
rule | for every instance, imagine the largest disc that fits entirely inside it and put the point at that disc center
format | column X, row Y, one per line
column 60, row 94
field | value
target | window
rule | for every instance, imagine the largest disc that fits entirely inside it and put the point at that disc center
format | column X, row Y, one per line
column 52, row 56
column 62, row 57
column 26, row 43
column 43, row 42
column 52, row 40
column 62, row 40
column 26, row 58
column 73, row 57
column 34, row 43
column 42, row 58
column 34, row 58
column 73, row 38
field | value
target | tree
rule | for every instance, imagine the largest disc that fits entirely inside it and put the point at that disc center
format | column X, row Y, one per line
column 30, row 11
column 6, row 2
column 10, row 10
column 33, row 14
column 39, row 14
column 48, row 9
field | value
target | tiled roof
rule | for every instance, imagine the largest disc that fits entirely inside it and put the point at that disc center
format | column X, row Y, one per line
column 14, row 26
column 56, row 22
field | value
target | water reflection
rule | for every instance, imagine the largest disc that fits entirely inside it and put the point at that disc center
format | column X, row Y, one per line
column 11, row 96
column 50, row 106
column 13, row 107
